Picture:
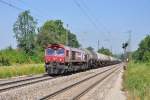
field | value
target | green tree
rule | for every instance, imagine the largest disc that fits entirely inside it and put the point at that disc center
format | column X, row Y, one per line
column 24, row 29
column 53, row 31
column 105, row 51
column 90, row 48
column 72, row 40
column 143, row 52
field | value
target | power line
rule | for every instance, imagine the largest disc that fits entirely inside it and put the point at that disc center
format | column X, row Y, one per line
column 18, row 8
column 36, row 11
column 94, row 17
column 98, row 21
column 86, row 11
column 11, row 5
column 86, row 14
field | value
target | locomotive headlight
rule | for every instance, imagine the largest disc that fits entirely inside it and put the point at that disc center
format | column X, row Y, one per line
column 54, row 58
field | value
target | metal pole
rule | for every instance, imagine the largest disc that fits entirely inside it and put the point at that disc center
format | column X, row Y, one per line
column 67, row 35
column 98, row 45
column 129, row 47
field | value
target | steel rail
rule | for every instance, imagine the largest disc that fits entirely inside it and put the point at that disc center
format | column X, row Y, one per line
column 74, row 84
column 77, row 97
column 18, row 84
column 21, row 80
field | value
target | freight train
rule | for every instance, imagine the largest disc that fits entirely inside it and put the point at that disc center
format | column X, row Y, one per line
column 60, row 59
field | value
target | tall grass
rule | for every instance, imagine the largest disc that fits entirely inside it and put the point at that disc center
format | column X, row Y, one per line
column 19, row 70
column 137, row 81
column 12, row 56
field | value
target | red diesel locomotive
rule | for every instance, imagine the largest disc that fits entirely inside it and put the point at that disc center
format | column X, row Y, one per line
column 61, row 59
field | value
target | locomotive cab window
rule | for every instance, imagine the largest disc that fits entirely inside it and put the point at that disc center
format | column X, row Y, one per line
column 60, row 51
column 50, row 51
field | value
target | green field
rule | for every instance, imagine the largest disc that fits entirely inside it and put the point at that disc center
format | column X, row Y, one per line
column 19, row 70
column 137, row 81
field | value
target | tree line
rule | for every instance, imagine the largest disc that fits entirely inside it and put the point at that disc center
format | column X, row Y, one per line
column 142, row 54
column 31, row 40
column 102, row 50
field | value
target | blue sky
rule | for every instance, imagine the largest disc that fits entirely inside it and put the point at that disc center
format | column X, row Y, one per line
column 113, row 19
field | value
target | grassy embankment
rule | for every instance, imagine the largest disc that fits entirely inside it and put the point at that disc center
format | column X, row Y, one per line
column 19, row 70
column 15, row 62
column 137, row 81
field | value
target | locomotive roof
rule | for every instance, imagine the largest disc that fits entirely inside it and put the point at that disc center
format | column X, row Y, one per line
column 67, row 47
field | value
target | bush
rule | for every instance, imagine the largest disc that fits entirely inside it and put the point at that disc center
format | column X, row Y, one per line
column 4, row 60
column 19, row 70
column 11, row 56
column 37, row 57
column 142, row 54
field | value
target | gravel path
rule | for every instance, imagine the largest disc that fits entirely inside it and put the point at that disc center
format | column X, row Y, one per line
column 115, row 92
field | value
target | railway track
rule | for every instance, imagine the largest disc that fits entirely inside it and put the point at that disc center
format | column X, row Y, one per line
column 5, row 86
column 106, row 73
column 78, row 96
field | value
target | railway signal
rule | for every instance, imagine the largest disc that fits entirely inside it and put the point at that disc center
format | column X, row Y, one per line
column 124, row 46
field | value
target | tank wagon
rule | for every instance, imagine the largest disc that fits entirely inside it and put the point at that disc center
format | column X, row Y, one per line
column 60, row 59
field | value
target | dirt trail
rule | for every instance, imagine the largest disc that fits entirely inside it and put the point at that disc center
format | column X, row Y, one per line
column 115, row 92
